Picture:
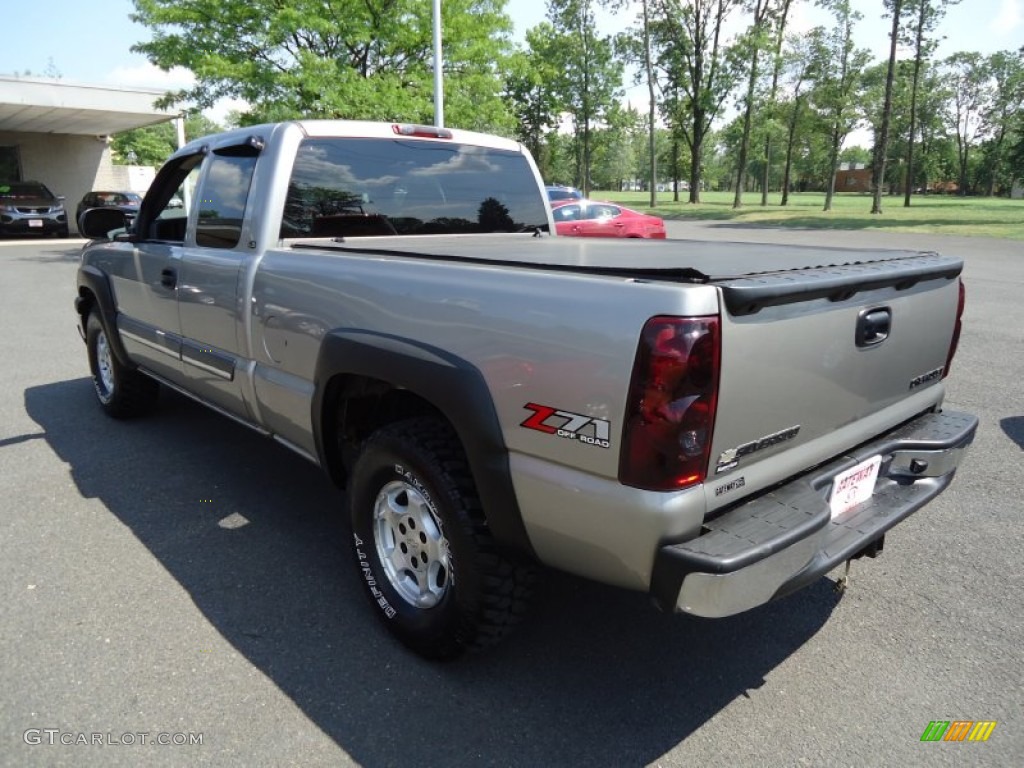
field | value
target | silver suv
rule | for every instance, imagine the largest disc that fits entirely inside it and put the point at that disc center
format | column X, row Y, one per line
column 29, row 208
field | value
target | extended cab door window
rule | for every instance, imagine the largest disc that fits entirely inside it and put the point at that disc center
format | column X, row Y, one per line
column 222, row 196
column 163, row 215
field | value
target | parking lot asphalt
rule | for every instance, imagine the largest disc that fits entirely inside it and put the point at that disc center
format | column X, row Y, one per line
column 181, row 576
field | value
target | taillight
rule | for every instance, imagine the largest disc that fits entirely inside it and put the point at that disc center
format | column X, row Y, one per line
column 956, row 330
column 670, row 415
column 424, row 131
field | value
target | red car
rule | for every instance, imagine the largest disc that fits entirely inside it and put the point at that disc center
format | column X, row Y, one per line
column 587, row 218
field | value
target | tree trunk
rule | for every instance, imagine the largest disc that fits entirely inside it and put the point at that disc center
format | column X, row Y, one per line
column 779, row 38
column 760, row 12
column 882, row 141
column 919, row 43
column 741, row 172
column 696, row 146
column 833, row 156
column 675, row 167
column 650, row 93
column 790, row 141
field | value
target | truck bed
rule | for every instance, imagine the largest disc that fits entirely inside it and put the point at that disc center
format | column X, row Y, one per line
column 701, row 261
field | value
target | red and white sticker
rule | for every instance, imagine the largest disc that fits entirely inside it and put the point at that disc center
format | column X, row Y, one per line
column 854, row 486
column 568, row 425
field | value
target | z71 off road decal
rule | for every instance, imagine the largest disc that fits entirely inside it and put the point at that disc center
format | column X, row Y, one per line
column 571, row 426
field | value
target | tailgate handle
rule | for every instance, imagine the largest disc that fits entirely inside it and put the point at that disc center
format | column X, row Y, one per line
column 873, row 326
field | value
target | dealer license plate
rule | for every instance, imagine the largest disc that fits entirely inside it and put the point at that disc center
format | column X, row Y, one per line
column 35, row 222
column 854, row 486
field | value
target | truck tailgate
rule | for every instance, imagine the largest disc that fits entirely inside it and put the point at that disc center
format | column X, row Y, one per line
column 818, row 360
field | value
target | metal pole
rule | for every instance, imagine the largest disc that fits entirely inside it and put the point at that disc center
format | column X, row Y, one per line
column 179, row 129
column 438, row 73
column 179, row 126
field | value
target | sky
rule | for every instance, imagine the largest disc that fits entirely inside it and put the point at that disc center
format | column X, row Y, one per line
column 91, row 42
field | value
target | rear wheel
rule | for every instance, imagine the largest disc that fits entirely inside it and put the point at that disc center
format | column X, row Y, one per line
column 121, row 391
column 426, row 557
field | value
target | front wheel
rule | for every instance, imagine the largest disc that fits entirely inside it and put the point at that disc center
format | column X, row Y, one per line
column 121, row 391
column 426, row 557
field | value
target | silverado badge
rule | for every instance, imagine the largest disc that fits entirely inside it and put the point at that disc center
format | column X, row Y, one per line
column 731, row 456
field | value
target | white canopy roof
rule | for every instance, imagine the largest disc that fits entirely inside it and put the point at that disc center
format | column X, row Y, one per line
column 33, row 105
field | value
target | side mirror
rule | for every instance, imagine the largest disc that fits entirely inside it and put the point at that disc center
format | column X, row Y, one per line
column 99, row 223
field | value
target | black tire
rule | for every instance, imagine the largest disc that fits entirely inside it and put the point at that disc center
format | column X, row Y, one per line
column 445, row 588
column 121, row 392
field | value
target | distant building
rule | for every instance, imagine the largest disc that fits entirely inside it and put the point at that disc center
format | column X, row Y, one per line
column 59, row 133
column 853, row 177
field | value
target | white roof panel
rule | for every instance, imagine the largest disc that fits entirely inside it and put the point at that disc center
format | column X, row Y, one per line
column 31, row 105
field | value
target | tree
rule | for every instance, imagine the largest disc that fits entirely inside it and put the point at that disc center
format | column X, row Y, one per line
column 688, row 36
column 800, row 67
column 1015, row 156
column 895, row 8
column 757, row 38
column 529, row 95
column 838, row 69
column 935, row 158
column 780, row 32
column 615, row 148
column 368, row 59
column 587, row 75
column 1006, row 72
column 926, row 15
column 873, row 100
column 652, row 104
column 635, row 45
column 153, row 144
column 970, row 96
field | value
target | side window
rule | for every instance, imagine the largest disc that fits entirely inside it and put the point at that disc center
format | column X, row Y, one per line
column 163, row 215
column 222, row 196
column 567, row 213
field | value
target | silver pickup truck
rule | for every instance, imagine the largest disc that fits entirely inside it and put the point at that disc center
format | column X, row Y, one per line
column 715, row 424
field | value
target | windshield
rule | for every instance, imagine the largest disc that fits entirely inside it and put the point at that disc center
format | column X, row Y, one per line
column 356, row 187
column 15, row 189
column 119, row 198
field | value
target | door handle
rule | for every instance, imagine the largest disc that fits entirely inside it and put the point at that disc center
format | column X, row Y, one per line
column 168, row 278
column 873, row 326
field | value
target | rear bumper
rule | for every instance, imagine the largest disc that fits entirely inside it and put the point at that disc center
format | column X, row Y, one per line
column 785, row 539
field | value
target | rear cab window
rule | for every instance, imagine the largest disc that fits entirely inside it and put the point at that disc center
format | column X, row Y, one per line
column 353, row 187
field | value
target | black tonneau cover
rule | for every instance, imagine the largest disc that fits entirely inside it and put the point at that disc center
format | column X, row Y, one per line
column 750, row 275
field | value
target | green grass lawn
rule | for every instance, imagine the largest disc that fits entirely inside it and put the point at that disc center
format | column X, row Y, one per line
column 936, row 214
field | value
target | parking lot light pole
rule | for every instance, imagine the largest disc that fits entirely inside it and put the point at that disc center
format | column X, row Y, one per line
column 179, row 129
column 179, row 125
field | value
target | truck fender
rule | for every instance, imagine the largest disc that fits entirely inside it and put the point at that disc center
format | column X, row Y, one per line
column 96, row 282
column 453, row 386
